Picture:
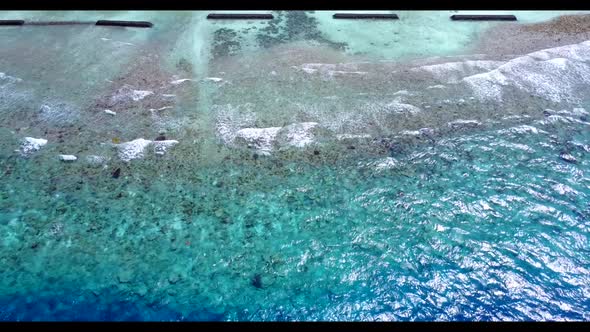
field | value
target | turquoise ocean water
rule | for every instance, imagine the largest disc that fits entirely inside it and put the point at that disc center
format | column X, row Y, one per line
column 299, row 169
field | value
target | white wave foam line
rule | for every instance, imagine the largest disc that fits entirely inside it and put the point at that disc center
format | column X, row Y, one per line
column 513, row 146
column 552, row 74
column 161, row 147
column 7, row 79
column 553, row 119
column 58, row 112
column 402, row 92
column 31, row 144
column 127, row 92
column 453, row 72
column 330, row 69
column 176, row 82
column 574, row 112
column 135, row 149
column 464, row 123
column 137, row 95
column 398, row 107
column 387, row 163
column 341, row 137
column 419, row 132
column 96, row 160
column 512, row 117
column 229, row 119
column 523, row 129
column 410, row 132
column 124, row 43
column 299, row 134
column 160, row 109
column 261, row 139
column 67, row 157
column 116, row 42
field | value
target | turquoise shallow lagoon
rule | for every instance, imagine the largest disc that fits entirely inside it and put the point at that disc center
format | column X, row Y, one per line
column 298, row 169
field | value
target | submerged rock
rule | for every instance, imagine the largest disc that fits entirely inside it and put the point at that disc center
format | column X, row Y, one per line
column 257, row 281
column 124, row 277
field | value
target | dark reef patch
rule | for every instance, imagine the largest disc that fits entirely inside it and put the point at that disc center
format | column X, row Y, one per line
column 298, row 26
column 226, row 42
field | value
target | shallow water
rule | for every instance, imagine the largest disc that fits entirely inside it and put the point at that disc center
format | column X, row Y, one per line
column 278, row 171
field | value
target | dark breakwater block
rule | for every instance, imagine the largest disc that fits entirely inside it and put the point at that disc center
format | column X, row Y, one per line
column 12, row 22
column 483, row 18
column 366, row 16
column 132, row 24
column 240, row 17
column 60, row 23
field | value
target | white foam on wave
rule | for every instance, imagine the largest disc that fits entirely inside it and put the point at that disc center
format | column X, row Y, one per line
column 330, row 69
column 137, row 95
column 554, row 119
column 464, row 123
column 67, row 157
column 410, row 132
column 31, row 144
column 385, row 164
column 523, row 129
column 398, row 107
column 7, row 79
column 341, row 137
column 126, row 92
column 264, row 140
column 299, row 134
column 402, row 92
column 261, row 139
column 453, row 72
column 135, row 149
column 552, row 74
column 160, row 147
column 96, row 160
column 160, row 109
column 176, row 82
column 132, row 149
column 229, row 119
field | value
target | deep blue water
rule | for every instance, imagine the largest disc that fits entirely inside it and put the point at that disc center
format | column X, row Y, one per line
column 488, row 225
